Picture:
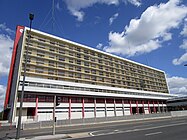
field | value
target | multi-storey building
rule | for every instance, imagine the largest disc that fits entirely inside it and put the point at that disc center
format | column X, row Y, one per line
column 88, row 82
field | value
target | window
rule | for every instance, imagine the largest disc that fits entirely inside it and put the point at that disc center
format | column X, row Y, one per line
column 61, row 58
column 86, row 57
column 60, row 65
column 39, row 70
column 87, row 70
column 61, row 73
column 92, row 53
column 41, row 39
column 94, row 78
column 86, row 76
column 61, row 51
column 78, row 55
column 71, row 74
column 92, row 59
column 78, row 75
column 100, row 61
column 78, row 68
column 71, row 54
column 61, row 45
column 52, row 49
column 51, row 42
column 100, row 56
column 39, row 62
column 100, row 73
column 93, row 65
column 86, row 64
column 71, row 67
column 70, row 60
column 51, row 63
column 93, row 71
column 40, row 54
column 101, row 67
column 51, row 56
column 78, row 62
column 50, row 71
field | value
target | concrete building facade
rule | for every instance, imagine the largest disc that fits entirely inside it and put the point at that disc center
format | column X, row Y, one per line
column 88, row 83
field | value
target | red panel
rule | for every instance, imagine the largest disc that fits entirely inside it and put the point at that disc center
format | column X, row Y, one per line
column 19, row 31
column 36, row 109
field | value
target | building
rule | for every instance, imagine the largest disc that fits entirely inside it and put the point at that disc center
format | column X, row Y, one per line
column 177, row 103
column 89, row 83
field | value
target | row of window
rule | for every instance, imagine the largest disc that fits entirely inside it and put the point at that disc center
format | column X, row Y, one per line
column 92, row 53
column 44, row 85
column 63, row 99
column 130, row 72
column 100, row 76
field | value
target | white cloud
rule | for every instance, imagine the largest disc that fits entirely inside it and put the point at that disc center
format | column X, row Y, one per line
column 135, row 2
column 99, row 46
column 58, row 6
column 147, row 33
column 6, row 43
column 2, row 96
column 75, row 6
column 184, row 31
column 183, row 58
column 4, row 28
column 111, row 19
column 177, row 85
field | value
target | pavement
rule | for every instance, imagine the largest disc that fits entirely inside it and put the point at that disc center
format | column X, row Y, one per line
column 145, row 129
column 47, row 137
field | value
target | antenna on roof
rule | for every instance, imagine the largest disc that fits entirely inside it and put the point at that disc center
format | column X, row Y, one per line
column 53, row 17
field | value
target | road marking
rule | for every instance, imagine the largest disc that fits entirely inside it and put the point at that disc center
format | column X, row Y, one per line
column 136, row 130
column 155, row 133
column 142, row 125
column 91, row 133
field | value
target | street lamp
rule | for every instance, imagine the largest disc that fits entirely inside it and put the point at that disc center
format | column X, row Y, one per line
column 31, row 17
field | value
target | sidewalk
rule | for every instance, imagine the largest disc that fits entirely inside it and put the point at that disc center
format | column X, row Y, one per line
column 47, row 137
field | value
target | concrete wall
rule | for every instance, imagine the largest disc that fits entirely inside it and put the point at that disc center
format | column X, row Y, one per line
column 179, row 113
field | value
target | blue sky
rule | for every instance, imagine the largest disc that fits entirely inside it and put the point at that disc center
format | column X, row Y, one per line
column 152, row 32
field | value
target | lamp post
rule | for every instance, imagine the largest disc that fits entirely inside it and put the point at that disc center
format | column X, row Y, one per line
column 31, row 17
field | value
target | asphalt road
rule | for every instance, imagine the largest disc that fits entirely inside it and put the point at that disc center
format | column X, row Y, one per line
column 160, row 129
column 167, row 130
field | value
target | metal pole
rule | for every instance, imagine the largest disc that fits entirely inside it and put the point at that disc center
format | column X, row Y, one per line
column 31, row 17
column 54, row 119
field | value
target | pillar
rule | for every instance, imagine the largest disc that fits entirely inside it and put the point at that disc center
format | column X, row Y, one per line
column 95, row 108
column 83, row 107
column 158, row 106
column 154, row 109
column 143, row 110
column 149, row 108
column 105, row 109
column 115, row 114
column 137, row 109
column 69, row 108
column 36, row 109
column 123, row 107
column 130, row 107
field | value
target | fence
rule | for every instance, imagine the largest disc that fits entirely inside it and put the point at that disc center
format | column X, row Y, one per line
column 60, row 123
column 179, row 113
